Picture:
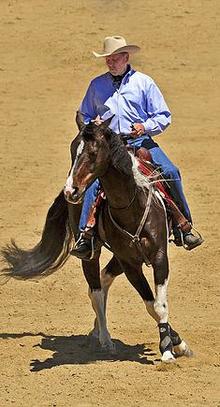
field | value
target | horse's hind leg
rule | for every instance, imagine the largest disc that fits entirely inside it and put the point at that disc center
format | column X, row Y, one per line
column 108, row 274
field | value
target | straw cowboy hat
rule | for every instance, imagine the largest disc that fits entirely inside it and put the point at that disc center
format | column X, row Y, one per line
column 115, row 45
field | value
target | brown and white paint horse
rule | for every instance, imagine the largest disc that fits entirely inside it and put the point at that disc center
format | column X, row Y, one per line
column 101, row 154
column 97, row 152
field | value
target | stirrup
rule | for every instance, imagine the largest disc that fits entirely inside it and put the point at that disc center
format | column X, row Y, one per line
column 184, row 245
column 91, row 240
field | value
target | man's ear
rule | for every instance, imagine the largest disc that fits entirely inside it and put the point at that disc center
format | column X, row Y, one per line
column 79, row 120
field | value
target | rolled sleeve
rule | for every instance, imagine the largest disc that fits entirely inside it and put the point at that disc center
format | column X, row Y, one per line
column 87, row 106
column 159, row 116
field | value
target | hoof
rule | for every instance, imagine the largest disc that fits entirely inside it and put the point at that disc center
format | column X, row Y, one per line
column 109, row 348
column 94, row 334
column 93, row 343
column 168, row 357
column 183, row 350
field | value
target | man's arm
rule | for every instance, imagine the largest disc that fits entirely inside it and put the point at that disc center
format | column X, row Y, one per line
column 87, row 107
column 158, row 112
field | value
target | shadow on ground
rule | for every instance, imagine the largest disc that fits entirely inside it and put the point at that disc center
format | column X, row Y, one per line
column 82, row 349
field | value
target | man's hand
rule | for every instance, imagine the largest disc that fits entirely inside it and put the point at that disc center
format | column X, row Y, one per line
column 137, row 130
column 97, row 120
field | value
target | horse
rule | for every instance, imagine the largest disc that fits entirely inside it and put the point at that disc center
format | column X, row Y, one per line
column 131, row 201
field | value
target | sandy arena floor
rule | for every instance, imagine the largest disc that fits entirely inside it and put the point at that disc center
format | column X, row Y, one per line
column 45, row 67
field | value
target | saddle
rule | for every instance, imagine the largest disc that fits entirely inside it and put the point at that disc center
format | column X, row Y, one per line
column 148, row 169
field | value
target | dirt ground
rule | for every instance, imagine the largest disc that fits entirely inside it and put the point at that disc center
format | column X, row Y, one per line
column 45, row 67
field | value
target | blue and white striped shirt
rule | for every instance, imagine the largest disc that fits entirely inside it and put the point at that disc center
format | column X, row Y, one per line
column 138, row 100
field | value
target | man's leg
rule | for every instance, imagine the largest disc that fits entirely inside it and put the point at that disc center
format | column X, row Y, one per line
column 84, row 246
column 171, row 173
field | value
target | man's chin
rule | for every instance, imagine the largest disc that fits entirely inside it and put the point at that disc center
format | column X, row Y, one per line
column 114, row 73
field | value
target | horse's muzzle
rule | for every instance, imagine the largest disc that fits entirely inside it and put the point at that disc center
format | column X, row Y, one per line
column 73, row 196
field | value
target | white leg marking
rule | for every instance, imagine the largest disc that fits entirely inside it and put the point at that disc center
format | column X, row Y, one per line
column 97, row 299
column 106, row 282
column 152, row 308
column 160, row 303
column 168, row 357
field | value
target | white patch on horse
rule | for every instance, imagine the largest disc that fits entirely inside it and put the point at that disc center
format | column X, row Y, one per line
column 78, row 153
column 69, row 182
column 106, row 282
column 140, row 179
column 98, row 303
column 160, row 303
column 143, row 181
column 80, row 148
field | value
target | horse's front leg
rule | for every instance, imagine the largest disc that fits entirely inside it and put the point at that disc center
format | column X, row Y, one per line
column 160, row 304
column 158, row 307
column 108, row 274
column 170, row 340
column 97, row 296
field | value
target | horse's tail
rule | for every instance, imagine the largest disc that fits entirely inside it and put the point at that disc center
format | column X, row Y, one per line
column 48, row 255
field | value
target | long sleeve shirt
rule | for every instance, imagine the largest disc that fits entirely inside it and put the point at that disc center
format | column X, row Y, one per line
column 137, row 100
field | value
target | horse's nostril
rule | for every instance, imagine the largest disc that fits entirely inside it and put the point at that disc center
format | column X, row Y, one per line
column 73, row 195
column 75, row 190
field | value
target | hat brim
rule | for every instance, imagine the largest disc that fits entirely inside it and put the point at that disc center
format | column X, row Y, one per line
column 131, row 49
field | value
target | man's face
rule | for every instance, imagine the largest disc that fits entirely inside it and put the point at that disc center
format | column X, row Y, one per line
column 117, row 63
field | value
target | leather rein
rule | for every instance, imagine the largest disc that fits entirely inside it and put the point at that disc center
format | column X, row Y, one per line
column 135, row 239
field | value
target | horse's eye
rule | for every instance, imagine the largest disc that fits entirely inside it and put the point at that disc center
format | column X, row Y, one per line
column 87, row 137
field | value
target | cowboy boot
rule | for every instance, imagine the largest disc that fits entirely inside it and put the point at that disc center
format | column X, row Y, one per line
column 187, row 239
column 86, row 245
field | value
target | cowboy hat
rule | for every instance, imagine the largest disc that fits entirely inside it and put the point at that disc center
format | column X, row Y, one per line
column 115, row 45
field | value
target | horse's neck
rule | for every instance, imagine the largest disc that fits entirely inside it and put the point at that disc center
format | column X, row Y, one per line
column 119, row 188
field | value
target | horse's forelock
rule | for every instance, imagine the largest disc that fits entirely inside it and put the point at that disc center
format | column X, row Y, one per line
column 88, row 131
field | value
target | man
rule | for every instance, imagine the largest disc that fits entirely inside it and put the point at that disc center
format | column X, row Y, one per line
column 137, row 107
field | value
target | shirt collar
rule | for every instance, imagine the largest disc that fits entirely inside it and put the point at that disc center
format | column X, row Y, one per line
column 124, row 77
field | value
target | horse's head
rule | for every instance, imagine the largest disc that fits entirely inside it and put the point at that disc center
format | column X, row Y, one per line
column 90, row 154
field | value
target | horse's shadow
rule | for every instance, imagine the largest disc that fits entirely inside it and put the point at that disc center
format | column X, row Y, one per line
column 82, row 349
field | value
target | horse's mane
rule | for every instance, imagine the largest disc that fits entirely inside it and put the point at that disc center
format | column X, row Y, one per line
column 121, row 160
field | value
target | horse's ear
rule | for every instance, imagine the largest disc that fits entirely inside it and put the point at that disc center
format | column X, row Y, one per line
column 79, row 120
column 106, row 123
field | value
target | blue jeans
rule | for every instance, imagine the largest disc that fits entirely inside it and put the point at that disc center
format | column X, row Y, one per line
column 169, row 172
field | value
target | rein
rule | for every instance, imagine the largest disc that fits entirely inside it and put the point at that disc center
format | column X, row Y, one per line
column 135, row 239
